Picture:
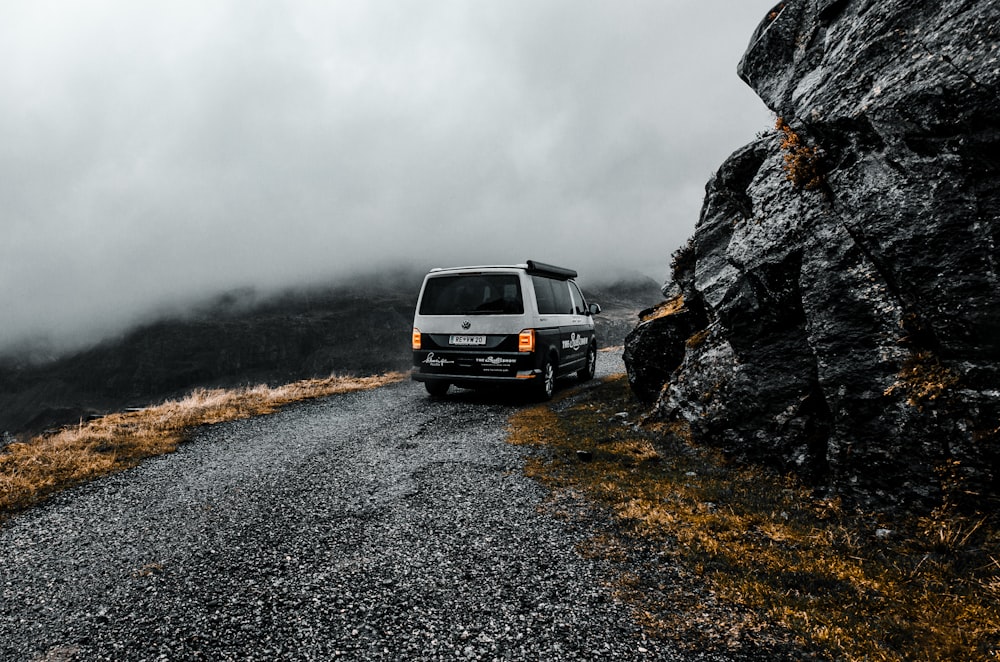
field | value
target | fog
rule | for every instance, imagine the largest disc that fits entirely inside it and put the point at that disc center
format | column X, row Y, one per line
column 155, row 153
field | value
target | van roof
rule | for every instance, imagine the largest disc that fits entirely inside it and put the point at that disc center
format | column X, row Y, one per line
column 531, row 266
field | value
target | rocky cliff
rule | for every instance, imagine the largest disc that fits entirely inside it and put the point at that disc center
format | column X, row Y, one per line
column 837, row 310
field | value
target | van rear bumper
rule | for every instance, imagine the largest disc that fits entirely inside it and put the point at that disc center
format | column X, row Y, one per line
column 474, row 379
column 473, row 367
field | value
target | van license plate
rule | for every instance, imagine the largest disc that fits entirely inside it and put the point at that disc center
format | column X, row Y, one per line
column 467, row 340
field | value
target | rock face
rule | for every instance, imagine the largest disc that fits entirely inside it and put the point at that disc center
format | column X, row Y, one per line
column 837, row 310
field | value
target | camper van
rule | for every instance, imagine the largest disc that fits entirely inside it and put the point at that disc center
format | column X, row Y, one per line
column 526, row 324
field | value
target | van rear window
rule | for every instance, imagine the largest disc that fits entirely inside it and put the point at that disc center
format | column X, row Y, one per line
column 472, row 294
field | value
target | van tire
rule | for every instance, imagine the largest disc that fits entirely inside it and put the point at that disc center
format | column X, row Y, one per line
column 545, row 386
column 437, row 389
column 589, row 369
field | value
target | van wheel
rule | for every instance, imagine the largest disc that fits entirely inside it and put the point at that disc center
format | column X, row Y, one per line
column 545, row 387
column 437, row 389
column 589, row 369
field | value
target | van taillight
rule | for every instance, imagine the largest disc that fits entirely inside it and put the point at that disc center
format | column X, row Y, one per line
column 416, row 338
column 526, row 341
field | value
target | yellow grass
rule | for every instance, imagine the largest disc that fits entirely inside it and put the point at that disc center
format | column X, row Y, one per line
column 760, row 557
column 802, row 162
column 665, row 309
column 923, row 379
column 31, row 471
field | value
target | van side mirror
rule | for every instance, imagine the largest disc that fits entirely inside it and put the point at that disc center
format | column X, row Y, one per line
column 595, row 309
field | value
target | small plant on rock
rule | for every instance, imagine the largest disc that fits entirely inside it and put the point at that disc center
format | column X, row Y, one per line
column 683, row 259
column 802, row 162
column 923, row 380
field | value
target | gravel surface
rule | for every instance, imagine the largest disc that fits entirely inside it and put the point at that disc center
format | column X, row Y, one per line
column 376, row 525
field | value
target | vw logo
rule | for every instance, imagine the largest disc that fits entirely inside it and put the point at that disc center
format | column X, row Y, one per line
column 466, row 325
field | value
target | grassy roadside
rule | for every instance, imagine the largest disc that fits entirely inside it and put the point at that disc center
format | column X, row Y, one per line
column 31, row 471
column 729, row 557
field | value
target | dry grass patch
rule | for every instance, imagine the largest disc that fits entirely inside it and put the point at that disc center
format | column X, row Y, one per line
column 802, row 162
column 665, row 309
column 923, row 379
column 737, row 557
column 31, row 471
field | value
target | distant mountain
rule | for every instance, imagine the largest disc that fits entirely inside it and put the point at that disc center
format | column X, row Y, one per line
column 621, row 301
column 236, row 339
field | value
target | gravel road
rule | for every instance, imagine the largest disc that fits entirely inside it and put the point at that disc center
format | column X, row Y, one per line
column 375, row 525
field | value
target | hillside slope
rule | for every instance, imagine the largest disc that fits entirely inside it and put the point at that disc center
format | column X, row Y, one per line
column 233, row 340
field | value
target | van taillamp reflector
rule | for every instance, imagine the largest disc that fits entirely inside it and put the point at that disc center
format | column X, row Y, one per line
column 526, row 341
column 416, row 338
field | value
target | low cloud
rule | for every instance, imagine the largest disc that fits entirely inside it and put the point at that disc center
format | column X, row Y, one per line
column 155, row 153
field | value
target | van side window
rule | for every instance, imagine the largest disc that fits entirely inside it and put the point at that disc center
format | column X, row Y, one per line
column 543, row 295
column 552, row 295
column 564, row 303
column 579, row 304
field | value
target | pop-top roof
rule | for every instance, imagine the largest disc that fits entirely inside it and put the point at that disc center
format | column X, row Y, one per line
column 531, row 266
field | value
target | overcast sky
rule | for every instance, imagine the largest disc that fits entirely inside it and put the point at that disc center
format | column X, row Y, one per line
column 152, row 152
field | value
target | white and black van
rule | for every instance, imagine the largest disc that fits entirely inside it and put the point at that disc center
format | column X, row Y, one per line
column 521, row 324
